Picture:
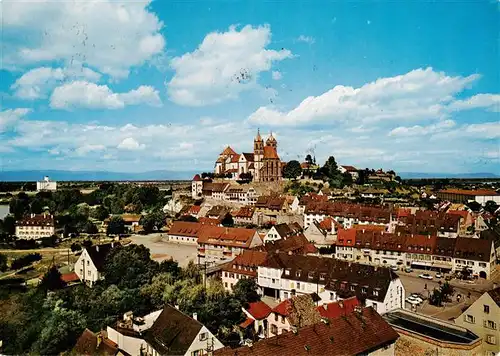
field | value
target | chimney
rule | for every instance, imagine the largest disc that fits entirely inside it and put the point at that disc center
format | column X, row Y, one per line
column 290, row 253
column 325, row 306
column 176, row 306
column 112, row 244
column 195, row 316
column 97, row 248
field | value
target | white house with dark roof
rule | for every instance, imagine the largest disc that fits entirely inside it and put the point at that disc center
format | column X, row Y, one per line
column 284, row 275
column 89, row 265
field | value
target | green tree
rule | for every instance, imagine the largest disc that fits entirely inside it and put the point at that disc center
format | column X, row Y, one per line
column 330, row 168
column 75, row 247
column 446, row 291
column 116, row 226
column 292, row 170
column 9, row 225
column 245, row 290
column 170, row 266
column 52, row 280
column 129, row 266
column 156, row 289
column 100, row 213
column 90, row 228
column 18, row 207
column 228, row 221
column 153, row 221
column 491, row 206
column 346, row 179
column 474, row 206
column 49, row 241
column 117, row 206
column 309, row 159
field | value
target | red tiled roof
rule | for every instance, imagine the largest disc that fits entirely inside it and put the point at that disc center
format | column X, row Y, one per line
column 209, row 221
column 259, row 310
column 235, row 158
column 226, row 236
column 346, row 237
column 228, row 151
column 247, row 323
column 37, row 220
column 354, row 334
column 462, row 213
column 350, row 168
column 469, row 192
column 185, row 228
column 337, row 309
column 69, row 277
column 270, row 153
column 197, row 178
column 245, row 212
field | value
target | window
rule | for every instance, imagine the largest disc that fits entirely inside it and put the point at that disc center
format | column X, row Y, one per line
column 322, row 276
column 282, row 319
column 274, row 329
column 298, row 285
column 203, row 336
column 331, row 296
column 469, row 318
column 375, row 293
column 490, row 339
column 486, row 309
column 490, row 324
column 482, row 264
column 197, row 353
column 374, row 305
column 275, row 317
column 287, row 272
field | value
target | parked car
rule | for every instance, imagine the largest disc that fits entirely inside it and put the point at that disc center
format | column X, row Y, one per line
column 395, row 268
column 412, row 301
column 425, row 276
column 448, row 278
column 416, row 297
column 439, row 275
column 408, row 270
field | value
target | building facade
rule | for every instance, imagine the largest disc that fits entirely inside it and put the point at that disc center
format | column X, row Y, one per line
column 35, row 227
column 46, row 185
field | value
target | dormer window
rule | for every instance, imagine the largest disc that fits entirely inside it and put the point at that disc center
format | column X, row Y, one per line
column 375, row 293
column 310, row 275
column 353, row 288
column 363, row 290
column 287, row 272
column 298, row 273
column 322, row 276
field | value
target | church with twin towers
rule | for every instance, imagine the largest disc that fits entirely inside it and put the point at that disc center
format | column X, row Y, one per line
column 263, row 163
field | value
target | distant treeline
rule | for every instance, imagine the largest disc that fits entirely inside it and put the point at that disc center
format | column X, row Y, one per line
column 449, row 181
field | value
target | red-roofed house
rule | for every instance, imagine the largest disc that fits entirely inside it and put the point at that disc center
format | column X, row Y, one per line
column 466, row 221
column 339, row 308
column 353, row 171
column 244, row 266
column 324, row 233
column 256, row 314
column 345, row 246
column 185, row 232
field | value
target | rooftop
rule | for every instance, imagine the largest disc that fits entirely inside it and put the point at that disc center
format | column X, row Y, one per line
column 476, row 192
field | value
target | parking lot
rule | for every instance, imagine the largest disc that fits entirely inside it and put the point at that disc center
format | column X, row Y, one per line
column 163, row 250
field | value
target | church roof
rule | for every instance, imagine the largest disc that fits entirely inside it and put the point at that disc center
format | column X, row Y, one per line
column 228, row 151
column 258, row 137
column 197, row 178
column 271, row 138
column 270, row 152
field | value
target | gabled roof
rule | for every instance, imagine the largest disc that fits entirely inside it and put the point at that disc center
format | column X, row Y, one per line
column 354, row 334
column 98, row 254
column 197, row 178
column 286, row 230
column 477, row 192
column 88, row 344
column 249, row 156
column 350, row 168
column 185, row 228
column 228, row 151
column 226, row 236
column 300, row 310
column 245, row 212
column 495, row 295
column 294, row 244
column 270, row 153
column 339, row 308
column 258, row 310
column 173, row 332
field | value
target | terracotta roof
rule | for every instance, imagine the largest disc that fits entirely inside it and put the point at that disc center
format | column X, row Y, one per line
column 247, row 323
column 235, row 158
column 218, row 210
column 495, row 295
column 295, row 244
column 354, row 334
column 197, row 178
column 88, row 344
column 370, row 213
column 194, row 209
column 462, row 213
column 287, row 230
column 98, row 253
column 37, row 220
column 173, row 332
column 350, row 168
column 270, row 153
column 270, row 202
column 246, row 263
column 346, row 237
column 469, row 192
column 245, row 212
column 226, row 236
column 131, row 217
column 473, row 249
column 258, row 310
column 340, row 308
column 185, row 228
column 70, row 277
column 208, row 188
column 228, row 151
column 209, row 221
column 312, row 197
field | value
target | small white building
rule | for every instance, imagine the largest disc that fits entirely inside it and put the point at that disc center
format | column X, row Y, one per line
column 89, row 265
column 46, row 185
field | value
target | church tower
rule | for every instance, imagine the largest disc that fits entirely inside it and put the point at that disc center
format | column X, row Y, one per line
column 258, row 152
column 271, row 141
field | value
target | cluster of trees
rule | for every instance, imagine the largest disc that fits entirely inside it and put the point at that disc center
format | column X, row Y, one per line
column 25, row 260
column 441, row 295
column 49, row 318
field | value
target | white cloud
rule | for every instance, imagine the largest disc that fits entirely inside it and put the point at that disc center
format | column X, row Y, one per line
column 83, row 94
column 419, row 130
column 131, row 144
column 487, row 101
column 488, row 130
column 277, row 75
column 419, row 94
column 10, row 117
column 85, row 149
column 36, row 83
column 107, row 35
column 223, row 65
column 306, row 39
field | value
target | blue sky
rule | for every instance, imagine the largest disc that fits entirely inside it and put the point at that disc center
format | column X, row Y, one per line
column 138, row 86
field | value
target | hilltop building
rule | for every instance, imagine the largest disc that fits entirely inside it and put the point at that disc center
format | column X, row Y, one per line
column 46, row 185
column 263, row 164
column 35, row 226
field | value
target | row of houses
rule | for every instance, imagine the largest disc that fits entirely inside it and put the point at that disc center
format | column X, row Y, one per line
column 420, row 251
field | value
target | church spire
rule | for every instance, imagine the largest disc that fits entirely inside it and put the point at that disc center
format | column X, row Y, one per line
column 258, row 137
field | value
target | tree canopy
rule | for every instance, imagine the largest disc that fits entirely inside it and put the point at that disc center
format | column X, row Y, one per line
column 292, row 170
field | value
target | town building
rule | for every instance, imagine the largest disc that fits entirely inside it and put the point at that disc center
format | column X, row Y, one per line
column 185, row 232
column 353, row 171
column 268, row 208
column 464, row 196
column 244, row 266
column 35, row 227
column 425, row 335
column 359, row 333
column 282, row 231
column 244, row 216
column 324, row 233
column 255, row 325
column 297, row 245
column 284, row 275
column 164, row 332
column 217, row 243
column 90, row 264
column 427, row 222
column 483, row 318
column 417, row 251
column 46, row 185
column 264, row 164
column 298, row 205
column 90, row 343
